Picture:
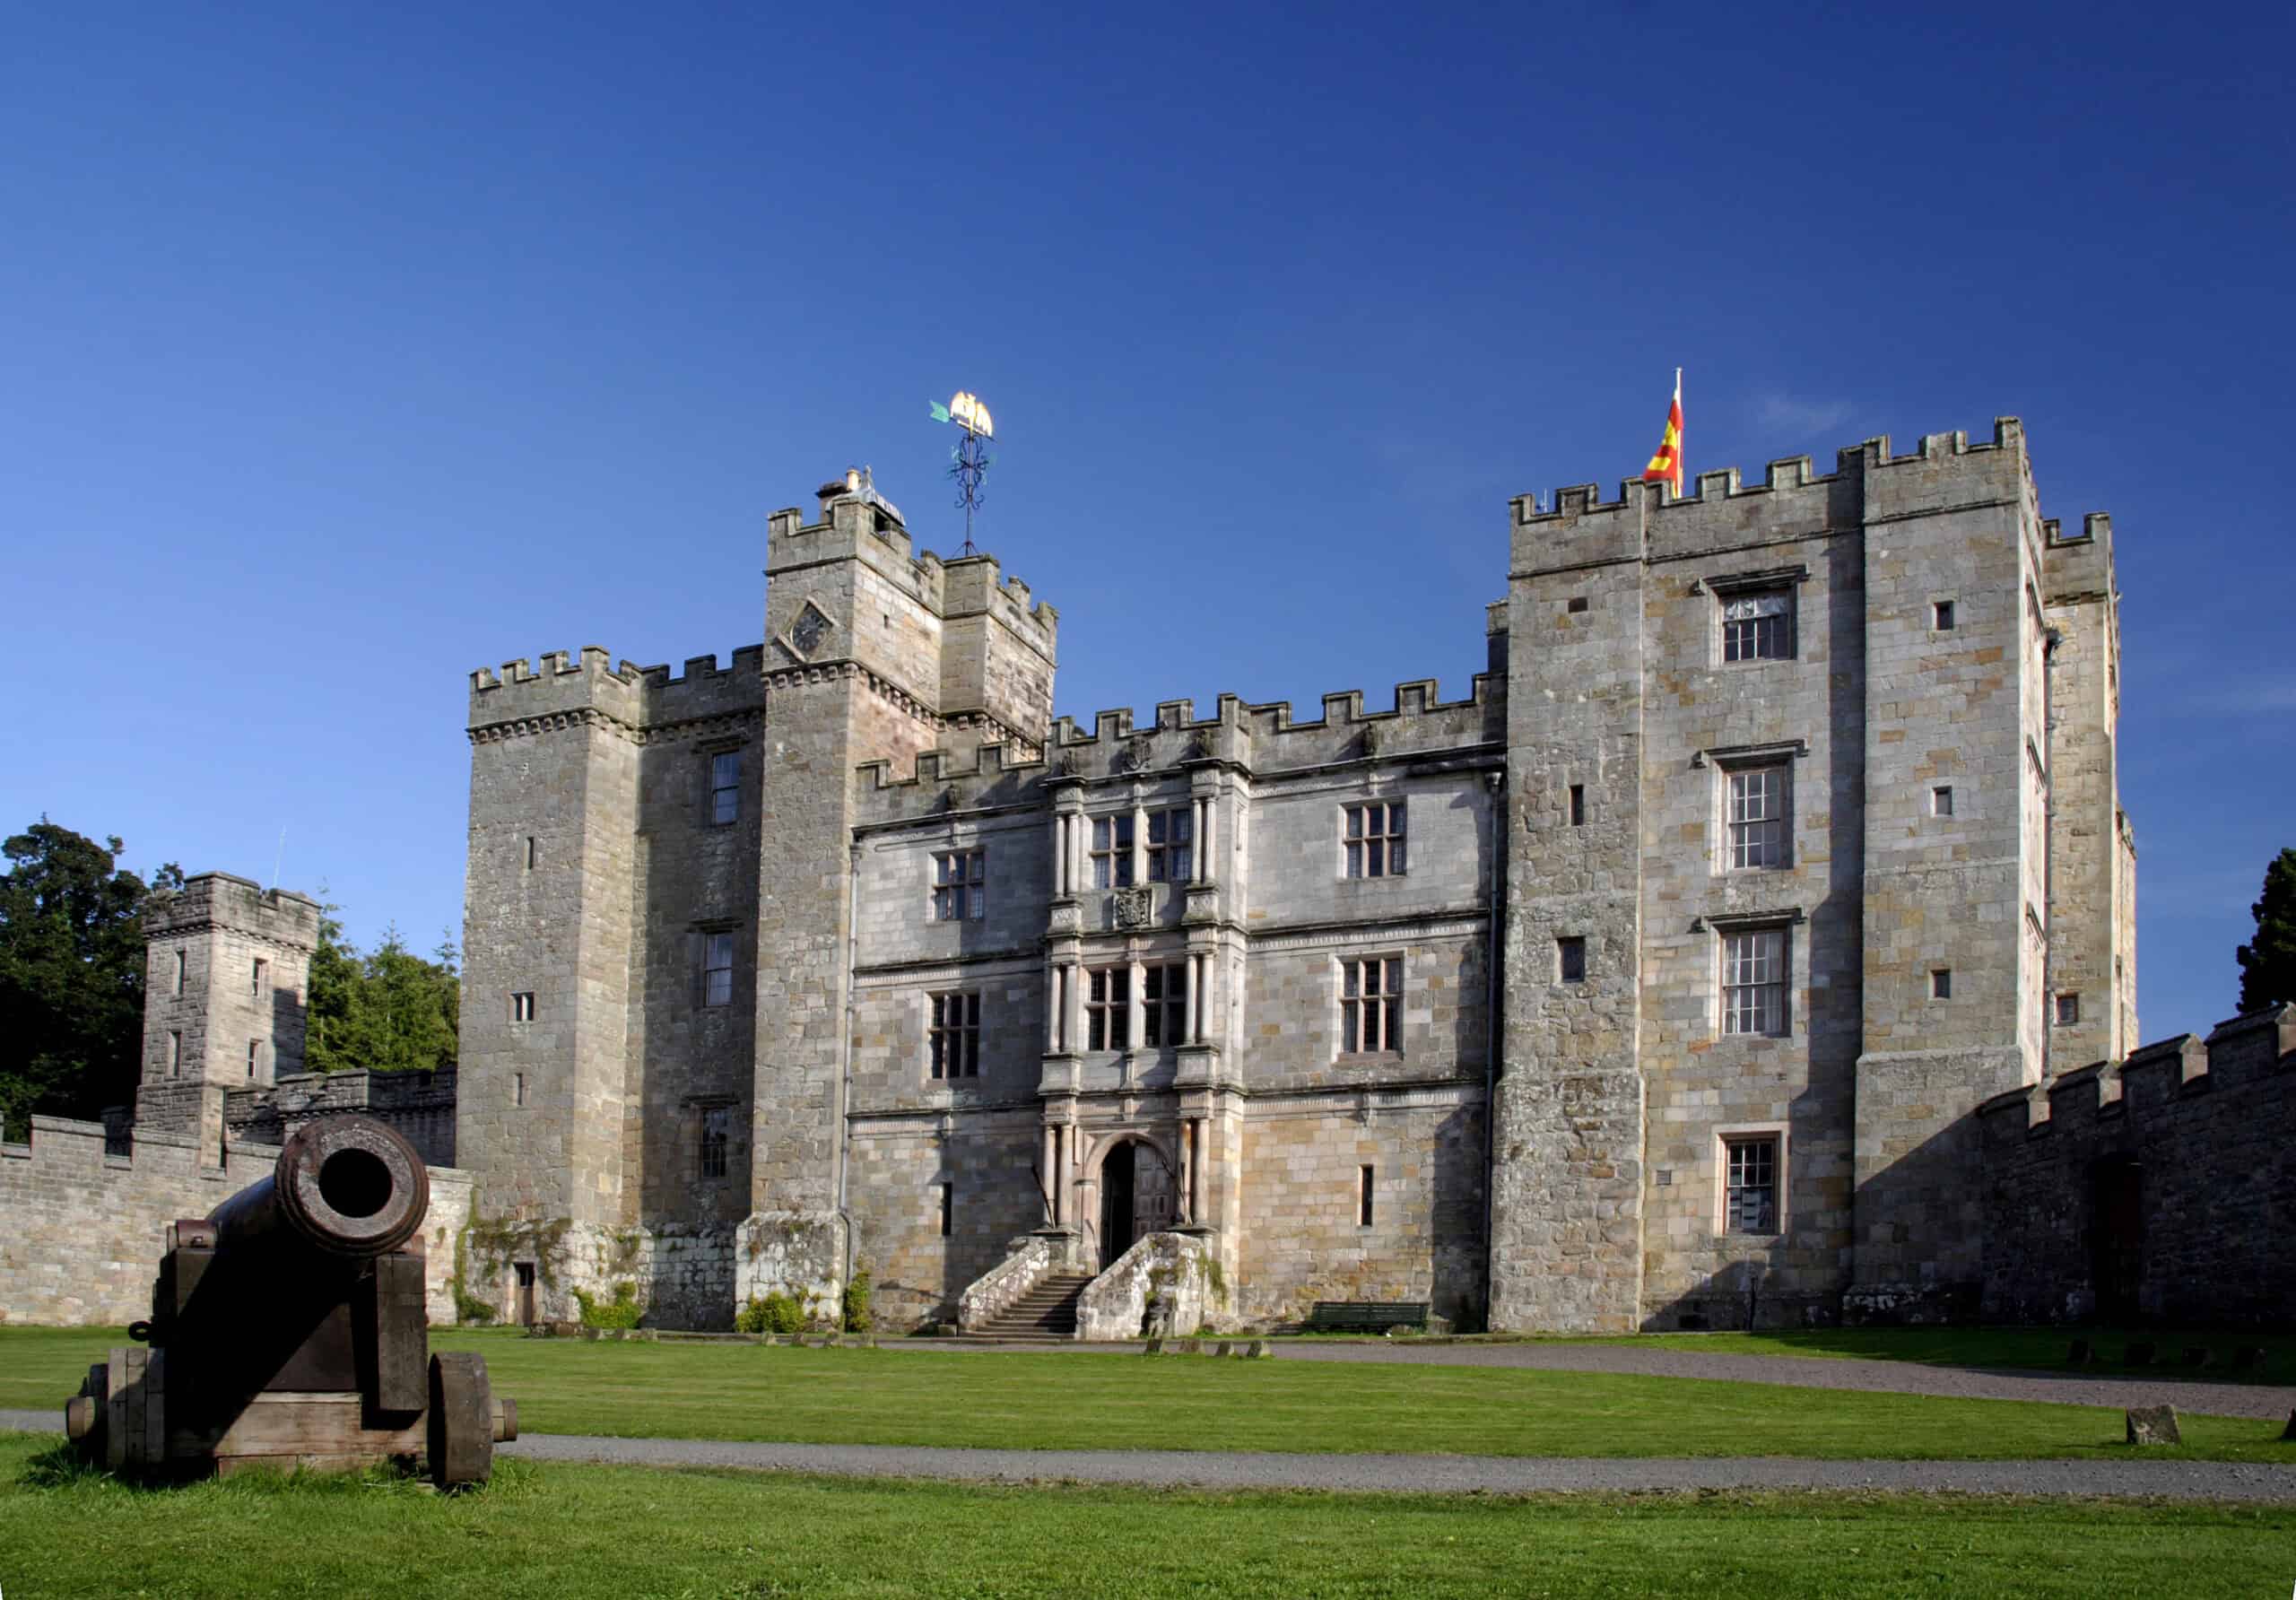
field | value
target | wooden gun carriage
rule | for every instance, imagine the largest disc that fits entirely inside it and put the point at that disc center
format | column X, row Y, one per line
column 289, row 1330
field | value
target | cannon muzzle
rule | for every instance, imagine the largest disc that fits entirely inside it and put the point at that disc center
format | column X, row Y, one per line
column 348, row 1186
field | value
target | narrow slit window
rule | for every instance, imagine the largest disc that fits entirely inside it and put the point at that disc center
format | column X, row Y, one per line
column 1577, row 806
column 530, row 852
column 1941, row 800
column 2068, row 1011
column 259, row 977
column 522, row 1006
column 1941, row 615
column 1364, row 1189
column 175, row 1052
column 948, row 1209
column 1940, row 984
column 517, row 1088
column 1571, row 959
column 183, row 964
column 255, row 1053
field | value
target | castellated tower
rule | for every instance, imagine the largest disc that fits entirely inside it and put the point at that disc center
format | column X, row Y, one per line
column 1781, row 887
column 226, row 963
column 872, row 654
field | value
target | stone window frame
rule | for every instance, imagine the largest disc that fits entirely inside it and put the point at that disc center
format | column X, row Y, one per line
column 710, row 933
column 183, row 970
column 1111, row 846
column 1351, row 1007
column 1566, row 947
column 714, row 1144
column 1778, row 1136
column 1163, row 1005
column 1364, row 853
column 1757, row 828
column 1784, row 582
column 2067, row 1011
column 1783, row 920
column 958, row 887
column 721, row 805
column 1728, row 760
column 1112, row 1012
column 1367, row 1196
column 255, row 1056
column 1941, row 800
column 1943, row 616
column 1170, row 859
column 523, row 1007
column 258, row 979
column 175, row 1052
column 952, row 1047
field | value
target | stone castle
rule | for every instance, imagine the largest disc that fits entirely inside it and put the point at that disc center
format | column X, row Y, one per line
column 1682, row 973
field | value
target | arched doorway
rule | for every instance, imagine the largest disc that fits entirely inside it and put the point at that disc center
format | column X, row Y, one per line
column 1119, row 1214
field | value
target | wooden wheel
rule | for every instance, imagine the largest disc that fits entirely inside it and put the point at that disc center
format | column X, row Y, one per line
column 461, row 1421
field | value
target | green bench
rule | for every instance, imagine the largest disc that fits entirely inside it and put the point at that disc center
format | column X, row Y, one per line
column 1369, row 1316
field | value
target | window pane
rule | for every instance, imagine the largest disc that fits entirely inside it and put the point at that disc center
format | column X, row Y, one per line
column 1124, row 832
column 1395, row 976
column 1101, row 833
column 1394, row 817
column 1394, row 856
column 1347, row 1014
column 1350, row 969
column 1374, row 860
column 1156, row 827
column 1355, row 861
column 1354, row 821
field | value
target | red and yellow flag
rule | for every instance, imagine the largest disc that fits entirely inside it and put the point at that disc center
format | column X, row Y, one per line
column 1666, row 465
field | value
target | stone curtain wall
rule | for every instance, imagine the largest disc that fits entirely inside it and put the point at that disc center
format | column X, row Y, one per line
column 418, row 1106
column 2210, row 1128
column 79, row 1230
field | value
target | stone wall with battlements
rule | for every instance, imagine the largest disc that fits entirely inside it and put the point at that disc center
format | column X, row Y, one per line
column 2161, row 1190
column 80, row 1241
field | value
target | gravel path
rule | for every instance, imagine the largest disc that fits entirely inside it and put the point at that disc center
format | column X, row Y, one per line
column 2260, row 1401
column 1432, row 1474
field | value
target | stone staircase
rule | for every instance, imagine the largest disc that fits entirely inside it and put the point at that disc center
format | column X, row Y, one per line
column 1047, row 1312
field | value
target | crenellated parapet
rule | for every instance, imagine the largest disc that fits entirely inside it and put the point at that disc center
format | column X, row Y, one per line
column 2154, row 1081
column 1582, row 528
column 641, row 704
column 1263, row 739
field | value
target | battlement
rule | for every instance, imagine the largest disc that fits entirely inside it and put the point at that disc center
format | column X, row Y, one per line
column 1582, row 527
column 227, row 900
column 2080, row 566
column 2237, row 1054
column 1262, row 738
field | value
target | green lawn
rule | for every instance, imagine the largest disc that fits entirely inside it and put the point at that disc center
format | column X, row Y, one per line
column 566, row 1532
column 2039, row 1348
column 1067, row 1400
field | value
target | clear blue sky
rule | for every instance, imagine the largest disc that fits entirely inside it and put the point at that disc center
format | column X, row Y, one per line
column 348, row 349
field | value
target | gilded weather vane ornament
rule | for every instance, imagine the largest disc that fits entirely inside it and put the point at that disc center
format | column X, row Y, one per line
column 971, row 459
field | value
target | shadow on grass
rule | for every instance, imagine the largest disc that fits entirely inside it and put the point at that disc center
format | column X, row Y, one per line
column 60, row 1467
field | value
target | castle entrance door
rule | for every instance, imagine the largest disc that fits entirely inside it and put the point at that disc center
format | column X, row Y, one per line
column 526, row 1271
column 1118, row 1215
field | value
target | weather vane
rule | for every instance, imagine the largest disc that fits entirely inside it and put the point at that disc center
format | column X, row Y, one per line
column 971, row 460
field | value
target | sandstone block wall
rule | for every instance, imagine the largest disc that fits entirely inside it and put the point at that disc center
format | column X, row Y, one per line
column 82, row 1242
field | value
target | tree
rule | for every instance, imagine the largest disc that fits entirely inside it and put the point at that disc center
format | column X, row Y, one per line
column 386, row 1011
column 70, row 975
column 2268, row 962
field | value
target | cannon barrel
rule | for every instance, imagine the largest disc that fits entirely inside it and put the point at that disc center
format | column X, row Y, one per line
column 348, row 1186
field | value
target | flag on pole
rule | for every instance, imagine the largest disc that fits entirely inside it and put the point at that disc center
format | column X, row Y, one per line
column 1666, row 465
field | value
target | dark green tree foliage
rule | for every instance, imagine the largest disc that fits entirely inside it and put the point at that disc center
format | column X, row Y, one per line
column 2268, row 963
column 70, row 975
column 386, row 1011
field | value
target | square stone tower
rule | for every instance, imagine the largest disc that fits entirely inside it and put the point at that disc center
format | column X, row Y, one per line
column 227, row 966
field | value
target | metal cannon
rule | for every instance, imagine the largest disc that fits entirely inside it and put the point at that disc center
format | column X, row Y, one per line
column 289, row 1330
